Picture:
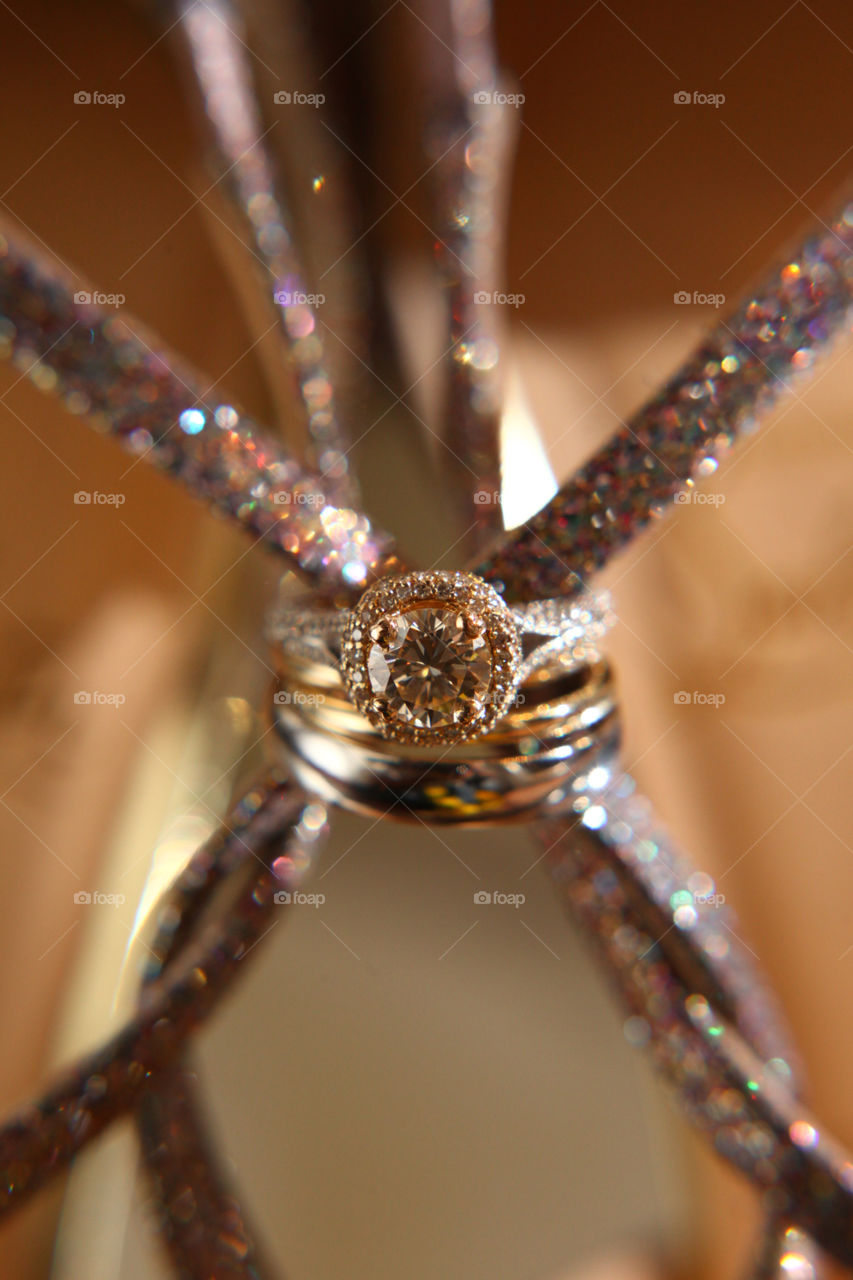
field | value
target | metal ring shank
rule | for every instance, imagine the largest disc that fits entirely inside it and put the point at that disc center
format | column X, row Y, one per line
column 509, row 775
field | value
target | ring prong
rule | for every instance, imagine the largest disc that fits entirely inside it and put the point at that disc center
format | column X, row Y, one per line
column 473, row 625
column 470, row 713
column 384, row 633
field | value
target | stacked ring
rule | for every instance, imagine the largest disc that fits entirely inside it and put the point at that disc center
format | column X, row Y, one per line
column 438, row 658
column 432, row 700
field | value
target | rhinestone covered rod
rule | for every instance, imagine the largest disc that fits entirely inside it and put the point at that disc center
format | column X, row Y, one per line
column 274, row 824
column 736, row 374
column 220, row 58
column 108, row 367
column 696, row 1001
column 471, row 135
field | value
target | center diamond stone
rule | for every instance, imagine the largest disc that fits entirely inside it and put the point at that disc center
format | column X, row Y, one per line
column 427, row 670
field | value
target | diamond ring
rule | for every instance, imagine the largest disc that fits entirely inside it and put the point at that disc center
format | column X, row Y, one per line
column 439, row 657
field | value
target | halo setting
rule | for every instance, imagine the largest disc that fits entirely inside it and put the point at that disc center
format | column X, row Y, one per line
column 431, row 657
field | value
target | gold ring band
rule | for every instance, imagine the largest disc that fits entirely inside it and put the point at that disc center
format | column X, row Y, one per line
column 554, row 731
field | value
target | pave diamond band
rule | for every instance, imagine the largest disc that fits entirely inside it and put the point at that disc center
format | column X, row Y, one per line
column 439, row 657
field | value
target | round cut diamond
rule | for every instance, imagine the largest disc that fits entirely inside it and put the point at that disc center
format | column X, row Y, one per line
column 427, row 670
column 431, row 658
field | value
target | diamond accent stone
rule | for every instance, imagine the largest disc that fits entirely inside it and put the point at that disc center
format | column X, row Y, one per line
column 430, row 674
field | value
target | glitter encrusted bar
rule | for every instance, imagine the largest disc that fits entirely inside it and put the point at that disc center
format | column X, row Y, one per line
column 108, row 368
column 735, row 376
column 219, row 56
column 201, row 1225
column 469, row 145
column 695, row 1000
column 85, row 1099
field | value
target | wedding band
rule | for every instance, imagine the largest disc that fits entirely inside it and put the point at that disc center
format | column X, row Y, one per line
column 438, row 658
column 525, row 767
